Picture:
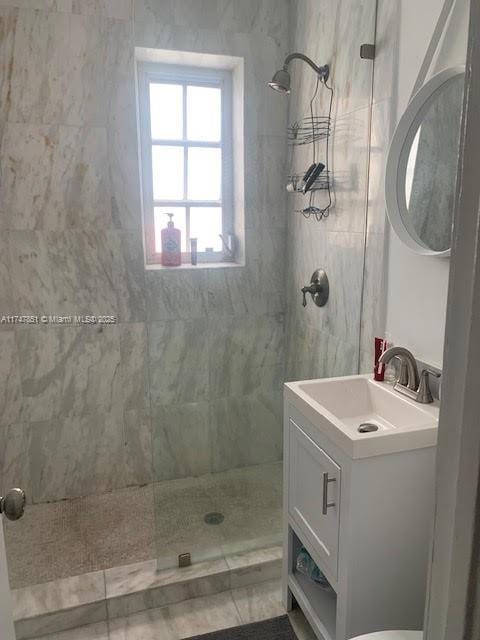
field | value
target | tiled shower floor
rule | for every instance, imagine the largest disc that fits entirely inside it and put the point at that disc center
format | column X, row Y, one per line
column 78, row 536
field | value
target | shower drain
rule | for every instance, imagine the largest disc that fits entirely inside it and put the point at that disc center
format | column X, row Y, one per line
column 214, row 518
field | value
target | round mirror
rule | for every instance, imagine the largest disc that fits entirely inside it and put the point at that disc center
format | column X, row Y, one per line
column 422, row 165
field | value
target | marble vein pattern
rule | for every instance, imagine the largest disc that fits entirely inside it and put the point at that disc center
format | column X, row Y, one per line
column 11, row 400
column 143, row 586
column 78, row 273
column 140, row 587
column 53, row 622
column 64, row 604
column 264, row 17
column 14, row 464
column 62, row 82
column 178, row 361
column 50, row 597
column 252, row 567
column 55, row 177
column 243, row 351
column 246, row 430
column 259, row 601
column 75, row 456
column 183, row 620
column 182, row 440
column 69, row 371
column 98, row 631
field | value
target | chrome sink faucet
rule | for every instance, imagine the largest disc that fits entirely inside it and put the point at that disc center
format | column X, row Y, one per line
column 408, row 383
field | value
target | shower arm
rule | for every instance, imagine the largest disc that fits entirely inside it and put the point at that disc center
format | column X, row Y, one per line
column 321, row 71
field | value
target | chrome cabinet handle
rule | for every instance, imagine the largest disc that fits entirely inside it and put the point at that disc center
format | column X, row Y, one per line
column 326, row 504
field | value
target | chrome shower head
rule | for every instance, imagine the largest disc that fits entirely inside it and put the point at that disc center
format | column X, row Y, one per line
column 281, row 80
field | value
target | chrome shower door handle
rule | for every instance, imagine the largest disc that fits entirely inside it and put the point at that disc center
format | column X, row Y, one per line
column 326, row 504
column 12, row 504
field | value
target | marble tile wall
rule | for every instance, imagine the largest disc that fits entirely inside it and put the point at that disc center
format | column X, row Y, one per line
column 348, row 244
column 189, row 380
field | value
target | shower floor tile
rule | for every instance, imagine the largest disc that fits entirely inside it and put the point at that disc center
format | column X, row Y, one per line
column 73, row 537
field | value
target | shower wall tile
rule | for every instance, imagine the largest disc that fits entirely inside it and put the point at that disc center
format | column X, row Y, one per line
column 68, row 371
column 123, row 157
column 182, row 441
column 375, row 286
column 14, row 467
column 245, row 352
column 78, row 273
column 178, row 361
column 65, row 67
column 176, row 295
column 257, row 289
column 119, row 9
column 39, row 5
column 54, row 178
column 264, row 17
column 266, row 177
column 341, row 255
column 32, row 285
column 316, row 354
column 138, row 449
column 11, row 399
column 331, row 33
column 350, row 171
column 76, row 456
column 381, row 133
column 247, row 430
column 351, row 75
column 387, row 50
column 375, row 290
column 133, row 370
column 8, row 27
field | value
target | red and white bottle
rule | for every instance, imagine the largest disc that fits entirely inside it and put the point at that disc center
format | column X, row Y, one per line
column 171, row 244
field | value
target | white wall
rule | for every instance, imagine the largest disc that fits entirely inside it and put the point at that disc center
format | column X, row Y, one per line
column 417, row 286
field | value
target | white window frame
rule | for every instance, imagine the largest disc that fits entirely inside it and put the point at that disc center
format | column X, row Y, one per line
column 186, row 76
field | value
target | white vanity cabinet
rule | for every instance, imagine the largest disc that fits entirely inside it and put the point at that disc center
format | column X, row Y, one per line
column 366, row 522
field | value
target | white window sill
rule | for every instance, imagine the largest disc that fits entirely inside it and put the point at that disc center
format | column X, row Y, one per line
column 195, row 267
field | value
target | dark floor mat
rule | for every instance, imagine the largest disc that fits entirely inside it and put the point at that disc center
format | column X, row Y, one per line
column 273, row 629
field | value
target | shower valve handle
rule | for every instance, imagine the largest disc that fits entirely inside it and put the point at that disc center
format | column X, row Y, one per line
column 318, row 288
column 312, row 290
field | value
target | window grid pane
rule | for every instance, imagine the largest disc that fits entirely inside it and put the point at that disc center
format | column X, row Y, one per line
column 167, row 111
column 208, row 158
column 167, row 171
column 203, row 110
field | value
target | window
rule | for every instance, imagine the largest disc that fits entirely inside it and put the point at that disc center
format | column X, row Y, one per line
column 187, row 168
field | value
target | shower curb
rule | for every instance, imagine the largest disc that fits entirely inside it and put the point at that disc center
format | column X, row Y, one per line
column 74, row 602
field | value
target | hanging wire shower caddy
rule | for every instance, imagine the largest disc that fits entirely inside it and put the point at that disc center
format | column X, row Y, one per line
column 313, row 130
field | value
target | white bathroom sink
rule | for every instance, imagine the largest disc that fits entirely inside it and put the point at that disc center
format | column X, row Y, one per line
column 339, row 406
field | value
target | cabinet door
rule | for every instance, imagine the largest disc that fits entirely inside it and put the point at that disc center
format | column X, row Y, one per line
column 314, row 495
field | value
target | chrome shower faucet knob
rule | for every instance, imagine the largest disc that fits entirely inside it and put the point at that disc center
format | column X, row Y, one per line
column 318, row 288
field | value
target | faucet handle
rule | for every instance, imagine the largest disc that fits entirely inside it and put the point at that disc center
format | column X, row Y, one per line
column 424, row 395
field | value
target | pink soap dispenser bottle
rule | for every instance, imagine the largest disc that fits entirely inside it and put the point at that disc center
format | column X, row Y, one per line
column 171, row 245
